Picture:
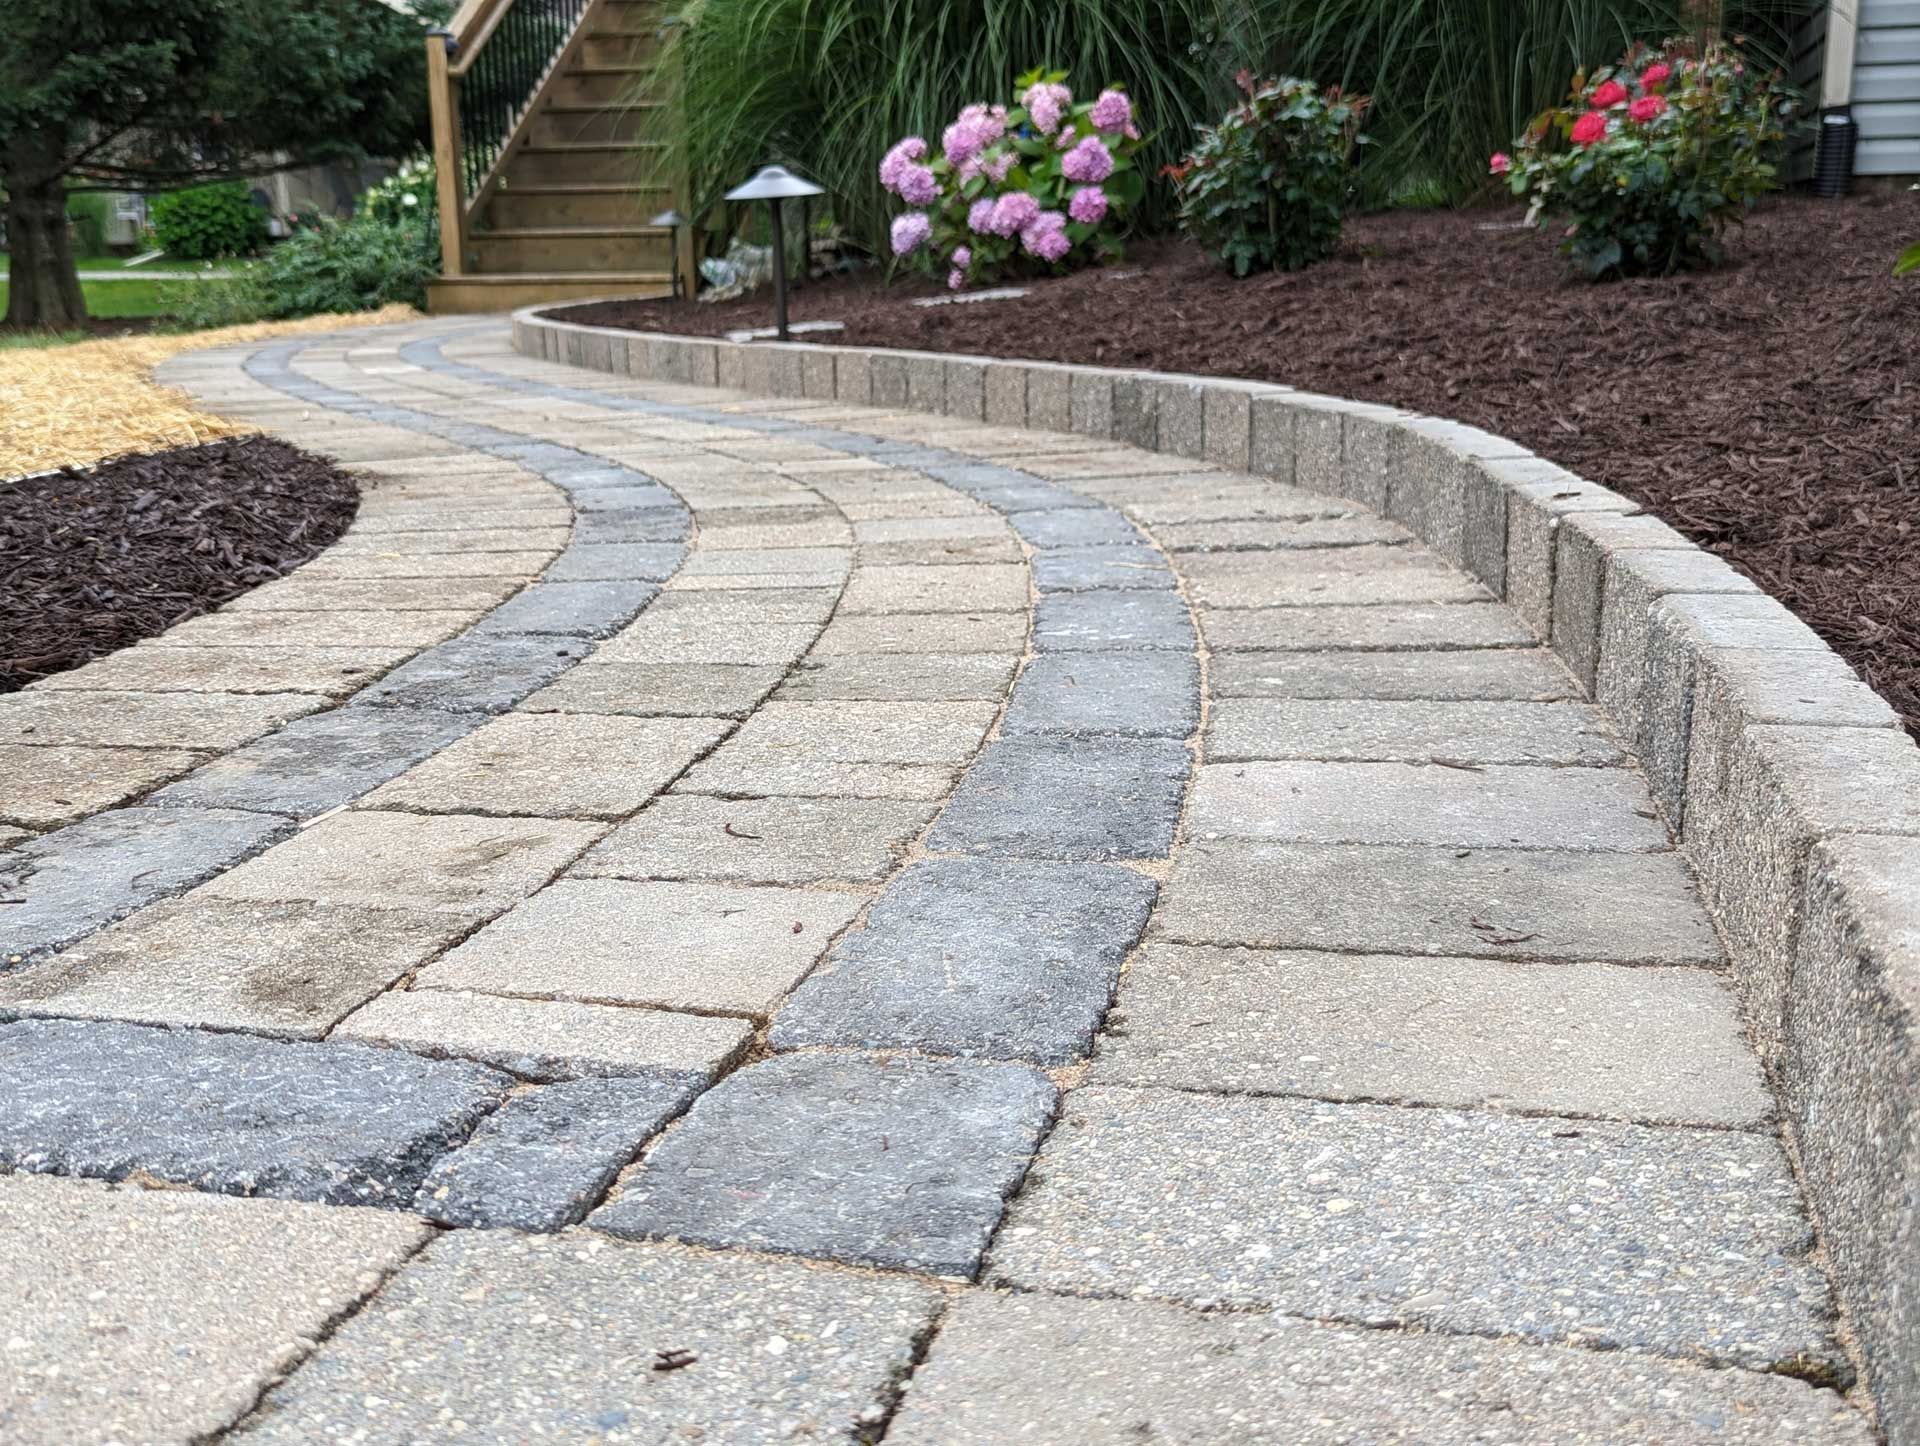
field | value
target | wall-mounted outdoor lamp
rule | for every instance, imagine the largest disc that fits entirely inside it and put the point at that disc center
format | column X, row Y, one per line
column 673, row 221
column 775, row 184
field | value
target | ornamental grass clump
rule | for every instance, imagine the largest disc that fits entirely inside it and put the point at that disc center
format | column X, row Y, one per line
column 1653, row 158
column 1265, row 188
column 1045, row 183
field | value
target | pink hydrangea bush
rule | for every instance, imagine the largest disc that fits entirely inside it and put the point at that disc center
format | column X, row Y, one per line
column 1046, row 182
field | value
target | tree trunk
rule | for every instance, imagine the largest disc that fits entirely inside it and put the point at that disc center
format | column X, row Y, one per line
column 43, row 288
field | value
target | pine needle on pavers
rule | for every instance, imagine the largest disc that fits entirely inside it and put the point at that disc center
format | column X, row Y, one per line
column 71, row 405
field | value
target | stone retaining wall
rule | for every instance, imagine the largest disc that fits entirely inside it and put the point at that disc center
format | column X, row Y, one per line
column 1788, row 782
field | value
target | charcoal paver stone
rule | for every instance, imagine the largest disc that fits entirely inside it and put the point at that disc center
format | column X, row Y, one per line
column 1476, row 805
column 1102, row 621
column 76, row 879
column 317, row 763
column 1654, row 1045
column 1512, row 903
column 1139, row 568
column 630, row 525
column 1432, row 626
column 542, row 1039
column 779, row 840
column 568, row 609
column 1491, row 675
column 547, row 1156
column 286, row 969
column 1410, row 731
column 1135, row 695
column 206, row 722
column 1052, row 797
column 1141, row 1370
column 452, row 863
column 899, row 1163
column 1078, row 526
column 977, row 958
column 232, row 1113
column 900, row 677
column 51, row 786
column 588, row 561
column 658, row 690
column 554, row 1337
column 555, row 765
column 1304, row 577
column 161, row 1315
column 474, row 674
column 670, row 945
column 1465, row 1222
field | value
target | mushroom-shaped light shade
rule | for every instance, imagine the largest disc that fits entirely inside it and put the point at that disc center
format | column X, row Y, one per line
column 773, row 183
column 667, row 218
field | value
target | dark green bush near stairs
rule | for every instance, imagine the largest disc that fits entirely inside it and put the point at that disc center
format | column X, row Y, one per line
column 337, row 266
column 205, row 222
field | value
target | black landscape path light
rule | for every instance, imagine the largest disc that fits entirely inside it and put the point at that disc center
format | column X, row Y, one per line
column 673, row 221
column 776, row 184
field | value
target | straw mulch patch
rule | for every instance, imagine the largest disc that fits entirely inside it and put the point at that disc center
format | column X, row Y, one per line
column 67, row 406
column 92, row 559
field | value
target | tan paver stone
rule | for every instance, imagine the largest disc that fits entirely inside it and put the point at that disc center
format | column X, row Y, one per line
column 1383, row 626
column 703, row 690
column 659, row 637
column 400, row 629
column 1384, row 729
column 524, row 563
column 550, row 1039
column 670, row 945
column 858, row 749
column 329, row 672
column 478, row 539
column 44, row 787
column 925, row 633
column 553, row 765
column 901, row 677
column 759, row 840
column 403, row 594
column 161, row 1315
column 1306, row 576
column 720, row 606
column 289, row 969
column 206, row 722
column 749, row 561
column 1655, row 1045
column 447, row 863
column 918, row 588
column 1520, row 675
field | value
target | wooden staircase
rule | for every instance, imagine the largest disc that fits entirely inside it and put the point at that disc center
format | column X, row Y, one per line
column 549, row 136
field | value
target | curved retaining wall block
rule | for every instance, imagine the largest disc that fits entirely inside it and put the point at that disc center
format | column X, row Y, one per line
column 1789, row 783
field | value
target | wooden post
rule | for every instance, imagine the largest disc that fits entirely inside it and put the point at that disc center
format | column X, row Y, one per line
column 443, row 104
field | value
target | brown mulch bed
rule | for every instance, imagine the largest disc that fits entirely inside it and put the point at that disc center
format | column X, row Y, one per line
column 92, row 559
column 1770, row 409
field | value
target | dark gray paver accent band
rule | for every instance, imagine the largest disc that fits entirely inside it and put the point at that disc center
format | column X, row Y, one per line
column 1067, row 797
column 904, row 1163
column 232, row 1113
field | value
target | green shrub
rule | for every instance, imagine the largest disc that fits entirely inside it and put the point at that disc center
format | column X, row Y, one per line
column 225, row 300
column 350, row 266
column 1652, row 158
column 205, row 222
column 409, row 197
column 87, row 210
column 1264, row 189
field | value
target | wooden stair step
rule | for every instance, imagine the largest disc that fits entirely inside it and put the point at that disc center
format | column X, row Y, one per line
column 548, row 233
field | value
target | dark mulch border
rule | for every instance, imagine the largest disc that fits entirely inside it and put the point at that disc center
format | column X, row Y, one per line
column 1770, row 410
column 94, row 559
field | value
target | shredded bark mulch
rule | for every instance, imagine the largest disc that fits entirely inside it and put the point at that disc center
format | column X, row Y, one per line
column 1770, row 409
column 92, row 559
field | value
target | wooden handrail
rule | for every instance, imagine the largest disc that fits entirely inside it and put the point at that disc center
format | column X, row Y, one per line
column 489, row 14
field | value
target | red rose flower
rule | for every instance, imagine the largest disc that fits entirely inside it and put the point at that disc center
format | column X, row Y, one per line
column 1500, row 164
column 1646, row 108
column 1612, row 93
column 1589, row 128
column 1655, row 75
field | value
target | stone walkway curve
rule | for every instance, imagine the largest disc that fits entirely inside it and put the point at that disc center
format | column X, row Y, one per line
column 734, row 919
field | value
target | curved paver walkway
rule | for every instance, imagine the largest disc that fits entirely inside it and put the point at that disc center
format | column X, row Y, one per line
column 966, row 935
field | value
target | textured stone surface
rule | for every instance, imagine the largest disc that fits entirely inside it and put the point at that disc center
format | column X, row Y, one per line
column 1477, row 805
column 1388, row 625
column 208, row 722
column 856, row 749
column 914, row 587
column 1635, row 580
column 476, row 675
column 568, row 609
column 900, row 1163
column 1106, row 621
column 900, row 677
column 717, row 947
column 330, row 672
column 1084, row 569
column 976, row 958
column 1476, row 1223
column 553, row 765
column 1076, row 527
column 543, row 1039
column 1136, row 694
column 1495, row 674
column 547, row 1156
column 759, row 840
column 1307, row 576
column 554, row 1338
column 924, row 633
column 1582, row 546
column 290, row 969
column 1138, row 1371
column 161, row 1315
column 1657, row 1045
column 1192, row 539
column 72, row 881
column 1059, row 797
column 1410, row 731
column 231, row 1113
column 1515, row 903
column 448, row 863
column 49, row 786
column 690, row 690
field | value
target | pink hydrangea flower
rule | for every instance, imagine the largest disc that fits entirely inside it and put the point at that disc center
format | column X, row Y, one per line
column 1012, row 213
column 977, row 128
column 910, row 232
column 1045, row 105
column 1111, row 112
column 962, row 257
column 917, row 186
column 956, row 279
column 980, row 216
column 894, row 163
column 998, row 166
column 1089, row 205
column 1045, row 236
column 1089, row 161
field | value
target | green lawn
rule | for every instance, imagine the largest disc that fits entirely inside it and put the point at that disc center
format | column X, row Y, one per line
column 163, row 263
column 122, row 298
